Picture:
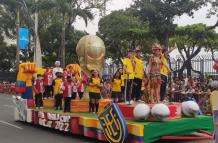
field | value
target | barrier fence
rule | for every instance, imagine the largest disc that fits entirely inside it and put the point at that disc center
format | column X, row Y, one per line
column 202, row 63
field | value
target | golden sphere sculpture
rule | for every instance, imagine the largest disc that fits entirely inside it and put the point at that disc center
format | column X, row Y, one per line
column 91, row 52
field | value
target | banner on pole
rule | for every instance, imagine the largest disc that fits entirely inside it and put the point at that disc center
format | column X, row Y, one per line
column 24, row 39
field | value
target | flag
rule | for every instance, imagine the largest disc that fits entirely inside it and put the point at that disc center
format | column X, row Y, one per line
column 23, row 38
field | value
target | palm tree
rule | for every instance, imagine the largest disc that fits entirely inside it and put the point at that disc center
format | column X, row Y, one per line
column 69, row 10
column 66, row 10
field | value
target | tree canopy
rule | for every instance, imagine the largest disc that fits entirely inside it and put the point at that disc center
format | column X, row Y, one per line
column 56, row 18
column 190, row 40
column 121, row 30
column 161, row 13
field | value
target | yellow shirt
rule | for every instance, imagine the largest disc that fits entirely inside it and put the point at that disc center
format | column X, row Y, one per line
column 163, row 69
column 129, row 68
column 139, row 68
column 123, row 80
column 57, row 85
column 95, row 89
column 116, row 86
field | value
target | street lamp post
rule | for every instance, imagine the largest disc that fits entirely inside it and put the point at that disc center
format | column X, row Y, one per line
column 18, row 47
column 37, row 49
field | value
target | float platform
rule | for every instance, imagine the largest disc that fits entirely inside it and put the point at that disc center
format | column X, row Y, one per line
column 87, row 124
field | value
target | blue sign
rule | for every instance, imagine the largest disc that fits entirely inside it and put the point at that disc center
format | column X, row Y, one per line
column 113, row 124
column 24, row 38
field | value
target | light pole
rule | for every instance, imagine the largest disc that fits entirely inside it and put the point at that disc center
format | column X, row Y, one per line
column 37, row 49
column 18, row 47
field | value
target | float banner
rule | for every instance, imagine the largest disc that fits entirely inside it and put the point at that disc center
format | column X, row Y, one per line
column 113, row 124
column 24, row 38
column 52, row 120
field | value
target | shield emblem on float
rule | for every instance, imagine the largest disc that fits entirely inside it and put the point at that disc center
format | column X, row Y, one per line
column 113, row 124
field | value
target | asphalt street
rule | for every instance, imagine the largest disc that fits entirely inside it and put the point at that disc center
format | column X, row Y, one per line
column 18, row 132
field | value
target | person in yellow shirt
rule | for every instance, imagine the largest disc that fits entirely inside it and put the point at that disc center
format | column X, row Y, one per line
column 128, row 74
column 138, row 75
column 116, row 87
column 58, row 92
column 95, row 85
column 164, row 71
column 121, row 99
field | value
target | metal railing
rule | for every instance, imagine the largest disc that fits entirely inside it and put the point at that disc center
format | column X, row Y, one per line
column 202, row 63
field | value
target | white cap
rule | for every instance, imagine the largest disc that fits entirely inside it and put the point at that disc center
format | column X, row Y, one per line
column 57, row 63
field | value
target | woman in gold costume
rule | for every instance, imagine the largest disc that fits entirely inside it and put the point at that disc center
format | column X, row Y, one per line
column 154, row 66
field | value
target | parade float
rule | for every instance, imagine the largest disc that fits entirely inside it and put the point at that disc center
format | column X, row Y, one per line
column 117, row 123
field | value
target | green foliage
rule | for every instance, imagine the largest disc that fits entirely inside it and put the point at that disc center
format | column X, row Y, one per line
column 50, row 44
column 161, row 13
column 55, row 16
column 121, row 31
column 7, row 56
column 190, row 40
column 194, row 35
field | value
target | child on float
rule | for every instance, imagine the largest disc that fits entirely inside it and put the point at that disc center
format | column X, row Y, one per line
column 67, row 93
column 121, row 99
column 82, row 83
column 75, row 84
column 38, row 88
column 106, row 90
column 48, row 78
column 95, row 85
column 116, row 87
column 81, row 89
column 58, row 92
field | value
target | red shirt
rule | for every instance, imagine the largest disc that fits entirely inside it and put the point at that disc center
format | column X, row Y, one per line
column 66, row 74
column 48, row 78
column 39, row 86
column 67, row 89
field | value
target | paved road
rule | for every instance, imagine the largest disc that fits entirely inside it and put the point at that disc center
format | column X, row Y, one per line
column 18, row 132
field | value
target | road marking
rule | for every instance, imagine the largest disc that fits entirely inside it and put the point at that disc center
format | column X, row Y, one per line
column 12, row 125
column 10, row 106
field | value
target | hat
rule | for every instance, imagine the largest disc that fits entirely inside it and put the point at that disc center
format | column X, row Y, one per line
column 138, row 48
column 156, row 46
column 57, row 62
